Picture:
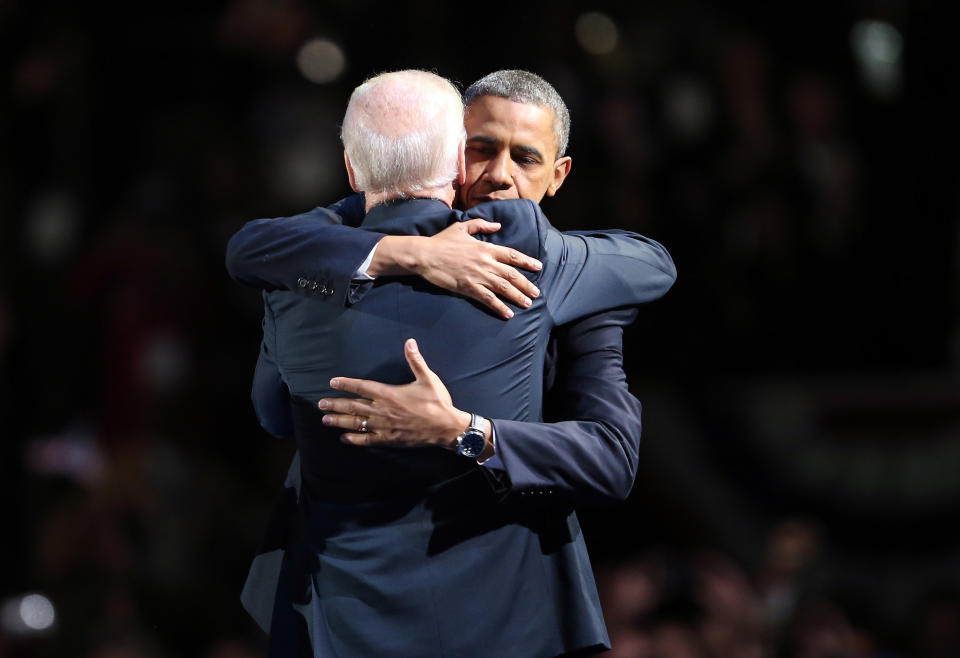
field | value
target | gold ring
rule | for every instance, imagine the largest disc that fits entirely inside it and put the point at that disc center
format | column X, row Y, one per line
column 363, row 425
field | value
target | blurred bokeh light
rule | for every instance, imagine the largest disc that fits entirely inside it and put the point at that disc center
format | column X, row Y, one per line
column 878, row 48
column 321, row 61
column 51, row 226
column 31, row 614
column 596, row 33
column 688, row 106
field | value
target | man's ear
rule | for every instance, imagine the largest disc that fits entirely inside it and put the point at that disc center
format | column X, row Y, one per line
column 561, row 169
column 350, row 176
column 462, row 164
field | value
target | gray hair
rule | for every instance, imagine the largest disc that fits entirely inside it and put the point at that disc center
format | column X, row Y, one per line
column 525, row 87
column 402, row 132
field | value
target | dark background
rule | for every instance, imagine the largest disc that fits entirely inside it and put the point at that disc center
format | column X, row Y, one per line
column 800, row 468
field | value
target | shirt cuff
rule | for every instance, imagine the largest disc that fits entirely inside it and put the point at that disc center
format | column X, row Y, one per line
column 361, row 273
column 493, row 462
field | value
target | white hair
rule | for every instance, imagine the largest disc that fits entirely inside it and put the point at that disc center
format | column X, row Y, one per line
column 402, row 132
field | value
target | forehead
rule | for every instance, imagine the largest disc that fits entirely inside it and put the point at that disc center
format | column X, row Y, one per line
column 514, row 124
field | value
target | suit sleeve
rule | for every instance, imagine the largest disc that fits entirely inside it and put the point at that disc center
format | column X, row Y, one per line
column 590, row 455
column 312, row 253
column 586, row 272
column 271, row 398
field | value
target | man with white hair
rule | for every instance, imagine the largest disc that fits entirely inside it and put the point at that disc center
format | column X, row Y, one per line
column 410, row 552
column 394, row 147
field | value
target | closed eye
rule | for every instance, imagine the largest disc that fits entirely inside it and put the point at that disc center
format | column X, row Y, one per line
column 527, row 156
column 479, row 149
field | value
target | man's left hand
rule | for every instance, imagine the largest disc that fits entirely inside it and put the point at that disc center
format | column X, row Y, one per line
column 412, row 415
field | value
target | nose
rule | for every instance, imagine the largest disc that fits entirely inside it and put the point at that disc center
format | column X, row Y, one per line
column 498, row 171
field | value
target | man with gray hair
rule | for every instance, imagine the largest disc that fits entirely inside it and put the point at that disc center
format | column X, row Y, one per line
column 526, row 88
column 403, row 552
column 518, row 130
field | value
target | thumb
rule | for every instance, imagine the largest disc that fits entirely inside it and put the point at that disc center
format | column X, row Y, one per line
column 474, row 226
column 416, row 361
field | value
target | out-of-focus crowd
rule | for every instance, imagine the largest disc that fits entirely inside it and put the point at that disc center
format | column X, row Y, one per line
column 702, row 604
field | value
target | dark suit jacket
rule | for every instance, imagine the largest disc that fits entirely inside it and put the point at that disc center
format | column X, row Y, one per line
column 505, row 363
column 314, row 255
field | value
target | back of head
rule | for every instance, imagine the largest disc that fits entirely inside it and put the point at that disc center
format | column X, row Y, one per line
column 525, row 87
column 402, row 132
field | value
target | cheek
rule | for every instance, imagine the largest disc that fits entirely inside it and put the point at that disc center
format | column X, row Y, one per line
column 523, row 187
column 533, row 187
column 473, row 171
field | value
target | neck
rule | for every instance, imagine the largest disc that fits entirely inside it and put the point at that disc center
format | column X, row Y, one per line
column 444, row 193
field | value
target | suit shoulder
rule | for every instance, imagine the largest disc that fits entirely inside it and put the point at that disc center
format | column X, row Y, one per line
column 507, row 209
column 319, row 214
column 522, row 225
column 517, row 216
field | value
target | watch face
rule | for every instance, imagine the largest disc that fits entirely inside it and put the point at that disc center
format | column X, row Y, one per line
column 472, row 443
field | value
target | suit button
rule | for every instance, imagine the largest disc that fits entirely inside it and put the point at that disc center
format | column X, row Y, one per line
column 330, row 291
column 302, row 282
column 314, row 285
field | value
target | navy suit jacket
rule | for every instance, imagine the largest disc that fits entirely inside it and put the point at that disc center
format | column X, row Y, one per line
column 495, row 370
column 316, row 256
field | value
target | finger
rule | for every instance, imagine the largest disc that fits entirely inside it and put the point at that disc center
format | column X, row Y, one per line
column 515, row 258
column 345, row 421
column 373, row 439
column 474, row 226
column 418, row 365
column 368, row 439
column 488, row 299
column 362, row 387
column 513, row 290
column 355, row 406
column 359, row 439
column 519, row 281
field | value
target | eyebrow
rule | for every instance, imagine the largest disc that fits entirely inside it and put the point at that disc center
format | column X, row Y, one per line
column 529, row 150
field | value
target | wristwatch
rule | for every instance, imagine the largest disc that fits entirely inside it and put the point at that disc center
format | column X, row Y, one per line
column 471, row 442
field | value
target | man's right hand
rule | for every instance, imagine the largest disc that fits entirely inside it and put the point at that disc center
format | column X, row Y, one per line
column 455, row 261
column 412, row 415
